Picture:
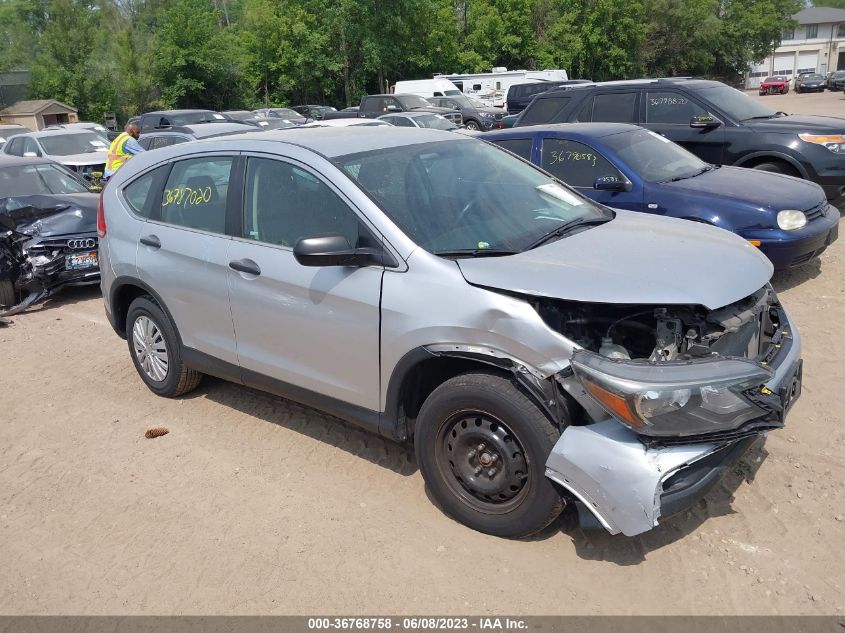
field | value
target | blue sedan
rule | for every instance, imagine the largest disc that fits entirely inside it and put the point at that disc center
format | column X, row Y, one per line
column 628, row 167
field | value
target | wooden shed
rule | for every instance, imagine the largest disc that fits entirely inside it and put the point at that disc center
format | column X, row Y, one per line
column 38, row 114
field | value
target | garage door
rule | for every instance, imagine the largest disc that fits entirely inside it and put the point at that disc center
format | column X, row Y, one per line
column 784, row 64
column 758, row 72
column 808, row 62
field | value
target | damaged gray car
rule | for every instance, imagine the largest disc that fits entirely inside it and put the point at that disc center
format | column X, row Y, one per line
column 536, row 347
column 48, row 233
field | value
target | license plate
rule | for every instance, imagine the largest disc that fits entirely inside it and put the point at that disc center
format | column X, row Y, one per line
column 81, row 261
column 791, row 387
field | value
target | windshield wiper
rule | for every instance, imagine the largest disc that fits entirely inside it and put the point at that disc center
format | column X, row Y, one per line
column 703, row 170
column 565, row 228
column 760, row 116
column 475, row 252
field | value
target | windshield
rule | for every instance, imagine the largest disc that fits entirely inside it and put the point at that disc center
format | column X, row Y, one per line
column 78, row 143
column 768, row 79
column 435, row 122
column 466, row 102
column 413, row 101
column 811, row 77
column 737, row 105
column 839, row 73
column 32, row 180
column 653, row 157
column 442, row 198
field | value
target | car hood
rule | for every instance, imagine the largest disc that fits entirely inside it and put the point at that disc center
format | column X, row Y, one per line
column 53, row 215
column 87, row 158
column 798, row 123
column 757, row 188
column 635, row 258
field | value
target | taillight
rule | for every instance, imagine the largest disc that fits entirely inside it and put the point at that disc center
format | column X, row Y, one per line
column 101, row 216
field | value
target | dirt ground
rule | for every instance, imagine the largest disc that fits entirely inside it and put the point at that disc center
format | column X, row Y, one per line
column 255, row 505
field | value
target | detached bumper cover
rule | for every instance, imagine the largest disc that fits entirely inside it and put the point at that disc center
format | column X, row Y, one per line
column 628, row 486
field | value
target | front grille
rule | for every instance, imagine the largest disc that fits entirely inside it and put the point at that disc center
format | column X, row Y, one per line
column 816, row 212
column 750, row 429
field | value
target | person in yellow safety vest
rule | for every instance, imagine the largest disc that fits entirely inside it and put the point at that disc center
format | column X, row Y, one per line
column 124, row 147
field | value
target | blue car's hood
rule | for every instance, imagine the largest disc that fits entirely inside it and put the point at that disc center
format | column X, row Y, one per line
column 759, row 189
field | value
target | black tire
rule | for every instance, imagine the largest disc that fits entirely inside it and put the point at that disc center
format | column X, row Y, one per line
column 8, row 296
column 776, row 168
column 487, row 422
column 472, row 125
column 179, row 379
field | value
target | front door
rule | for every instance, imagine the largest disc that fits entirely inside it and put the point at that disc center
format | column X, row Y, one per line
column 182, row 253
column 579, row 165
column 311, row 328
column 669, row 113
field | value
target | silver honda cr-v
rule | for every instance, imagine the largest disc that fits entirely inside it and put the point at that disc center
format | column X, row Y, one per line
column 536, row 347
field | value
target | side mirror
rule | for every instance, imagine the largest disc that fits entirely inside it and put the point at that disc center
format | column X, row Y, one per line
column 705, row 121
column 334, row 250
column 611, row 183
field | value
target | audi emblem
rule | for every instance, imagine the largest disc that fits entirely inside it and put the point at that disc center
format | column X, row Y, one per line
column 82, row 242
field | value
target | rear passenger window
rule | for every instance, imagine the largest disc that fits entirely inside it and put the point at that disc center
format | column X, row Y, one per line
column 285, row 203
column 142, row 193
column 670, row 107
column 615, row 107
column 195, row 194
column 519, row 146
column 544, row 111
column 576, row 164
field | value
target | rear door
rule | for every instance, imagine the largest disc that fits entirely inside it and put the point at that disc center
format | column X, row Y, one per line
column 668, row 112
column 183, row 248
column 309, row 331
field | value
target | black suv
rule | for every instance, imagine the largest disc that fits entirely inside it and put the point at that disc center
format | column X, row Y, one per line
column 719, row 124
column 520, row 95
column 167, row 118
column 476, row 115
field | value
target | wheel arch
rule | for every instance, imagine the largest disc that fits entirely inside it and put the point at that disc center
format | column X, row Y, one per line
column 757, row 158
column 420, row 371
column 124, row 290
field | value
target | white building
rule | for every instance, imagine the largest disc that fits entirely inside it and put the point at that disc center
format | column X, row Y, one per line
column 817, row 44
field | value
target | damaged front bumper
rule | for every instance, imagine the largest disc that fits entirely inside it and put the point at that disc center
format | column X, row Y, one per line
column 628, row 482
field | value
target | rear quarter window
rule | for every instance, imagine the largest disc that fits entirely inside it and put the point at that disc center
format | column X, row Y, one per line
column 519, row 146
column 142, row 194
column 549, row 110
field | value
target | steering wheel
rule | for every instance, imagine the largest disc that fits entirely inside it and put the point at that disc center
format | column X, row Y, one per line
column 469, row 208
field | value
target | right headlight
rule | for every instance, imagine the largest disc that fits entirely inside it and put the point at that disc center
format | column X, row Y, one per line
column 674, row 398
column 834, row 142
column 790, row 219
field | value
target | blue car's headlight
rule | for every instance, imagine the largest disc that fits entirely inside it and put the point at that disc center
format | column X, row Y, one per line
column 790, row 219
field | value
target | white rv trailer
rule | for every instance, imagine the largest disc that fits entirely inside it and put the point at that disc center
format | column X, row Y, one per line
column 493, row 86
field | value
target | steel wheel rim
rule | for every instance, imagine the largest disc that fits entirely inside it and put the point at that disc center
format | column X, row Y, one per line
column 472, row 440
column 150, row 348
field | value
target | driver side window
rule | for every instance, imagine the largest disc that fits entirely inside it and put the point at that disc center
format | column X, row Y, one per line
column 576, row 164
column 285, row 203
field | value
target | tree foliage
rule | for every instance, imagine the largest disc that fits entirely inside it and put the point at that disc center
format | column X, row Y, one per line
column 133, row 55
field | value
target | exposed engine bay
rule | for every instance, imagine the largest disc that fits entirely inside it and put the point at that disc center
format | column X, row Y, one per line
column 657, row 333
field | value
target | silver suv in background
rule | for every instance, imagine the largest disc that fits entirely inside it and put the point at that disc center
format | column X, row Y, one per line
column 536, row 347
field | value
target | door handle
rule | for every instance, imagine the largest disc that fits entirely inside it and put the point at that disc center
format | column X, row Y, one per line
column 245, row 266
column 151, row 240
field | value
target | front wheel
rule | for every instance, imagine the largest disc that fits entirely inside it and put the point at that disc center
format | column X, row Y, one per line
column 472, row 125
column 8, row 295
column 481, row 446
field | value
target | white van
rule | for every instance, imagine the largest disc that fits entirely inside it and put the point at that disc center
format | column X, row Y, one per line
column 437, row 87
